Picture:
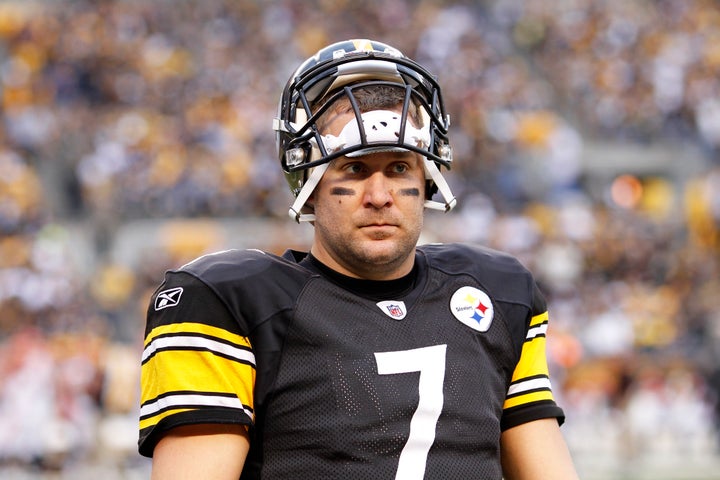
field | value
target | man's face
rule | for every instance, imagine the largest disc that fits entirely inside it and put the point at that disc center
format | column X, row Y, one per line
column 369, row 211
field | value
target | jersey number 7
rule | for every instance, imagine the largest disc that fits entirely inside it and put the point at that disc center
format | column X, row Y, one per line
column 430, row 362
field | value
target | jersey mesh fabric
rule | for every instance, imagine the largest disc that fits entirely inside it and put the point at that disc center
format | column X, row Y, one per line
column 336, row 417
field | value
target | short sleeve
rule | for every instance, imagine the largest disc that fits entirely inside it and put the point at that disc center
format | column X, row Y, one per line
column 530, row 395
column 197, row 364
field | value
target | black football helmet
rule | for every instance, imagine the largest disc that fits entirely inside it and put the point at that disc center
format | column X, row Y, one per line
column 336, row 71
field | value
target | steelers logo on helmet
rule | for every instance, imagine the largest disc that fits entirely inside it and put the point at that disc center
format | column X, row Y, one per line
column 337, row 71
column 472, row 307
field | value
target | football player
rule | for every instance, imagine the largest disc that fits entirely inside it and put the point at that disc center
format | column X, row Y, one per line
column 368, row 357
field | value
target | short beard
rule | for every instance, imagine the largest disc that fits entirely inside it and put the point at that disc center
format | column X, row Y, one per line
column 366, row 263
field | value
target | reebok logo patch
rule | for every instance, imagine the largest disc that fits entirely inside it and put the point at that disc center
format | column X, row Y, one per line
column 168, row 298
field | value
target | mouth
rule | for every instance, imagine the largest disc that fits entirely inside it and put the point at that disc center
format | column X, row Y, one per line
column 378, row 225
column 379, row 231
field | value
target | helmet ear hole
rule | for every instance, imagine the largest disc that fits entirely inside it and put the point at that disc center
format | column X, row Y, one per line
column 430, row 189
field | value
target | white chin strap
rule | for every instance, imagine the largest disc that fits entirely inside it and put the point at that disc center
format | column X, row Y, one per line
column 305, row 191
column 432, row 173
column 381, row 126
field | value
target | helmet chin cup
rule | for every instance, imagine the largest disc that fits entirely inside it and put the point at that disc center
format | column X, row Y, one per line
column 336, row 71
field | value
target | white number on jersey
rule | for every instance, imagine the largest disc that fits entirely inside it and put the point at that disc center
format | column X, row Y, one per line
column 430, row 362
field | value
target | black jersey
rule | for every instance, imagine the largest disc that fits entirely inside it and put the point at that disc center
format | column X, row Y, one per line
column 336, row 379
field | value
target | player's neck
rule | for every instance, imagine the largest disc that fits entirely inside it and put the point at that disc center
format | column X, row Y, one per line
column 374, row 289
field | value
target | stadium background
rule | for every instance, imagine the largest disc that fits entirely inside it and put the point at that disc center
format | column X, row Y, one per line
column 136, row 135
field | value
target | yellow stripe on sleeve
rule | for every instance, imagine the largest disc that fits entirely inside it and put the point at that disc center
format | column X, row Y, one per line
column 197, row 328
column 154, row 420
column 171, row 371
column 532, row 357
column 538, row 319
column 528, row 398
column 532, row 366
column 193, row 365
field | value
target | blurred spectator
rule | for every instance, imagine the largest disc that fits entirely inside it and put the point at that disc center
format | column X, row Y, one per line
column 114, row 113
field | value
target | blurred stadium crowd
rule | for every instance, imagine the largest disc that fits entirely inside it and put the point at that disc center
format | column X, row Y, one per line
column 124, row 113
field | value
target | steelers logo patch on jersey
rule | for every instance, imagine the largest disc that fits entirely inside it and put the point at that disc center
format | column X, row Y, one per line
column 472, row 307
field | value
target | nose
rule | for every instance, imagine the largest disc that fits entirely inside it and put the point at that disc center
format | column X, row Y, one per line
column 378, row 191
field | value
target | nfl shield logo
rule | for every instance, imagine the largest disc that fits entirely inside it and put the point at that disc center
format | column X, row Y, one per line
column 393, row 309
